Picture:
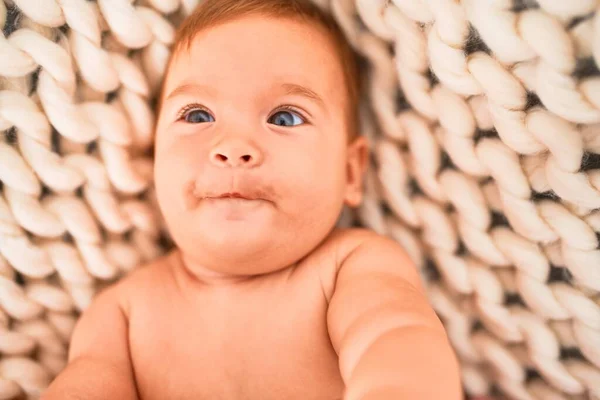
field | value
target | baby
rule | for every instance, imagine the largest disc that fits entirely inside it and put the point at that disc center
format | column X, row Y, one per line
column 256, row 155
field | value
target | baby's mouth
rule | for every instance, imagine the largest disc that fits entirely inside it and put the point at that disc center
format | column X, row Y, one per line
column 233, row 206
column 247, row 192
column 233, row 195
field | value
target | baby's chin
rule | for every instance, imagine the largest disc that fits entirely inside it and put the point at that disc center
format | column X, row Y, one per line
column 247, row 238
column 238, row 253
column 240, row 235
column 227, row 222
column 236, row 240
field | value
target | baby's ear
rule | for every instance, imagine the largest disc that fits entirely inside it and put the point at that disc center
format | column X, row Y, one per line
column 357, row 162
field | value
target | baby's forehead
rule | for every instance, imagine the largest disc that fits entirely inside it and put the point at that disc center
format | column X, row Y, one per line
column 280, row 53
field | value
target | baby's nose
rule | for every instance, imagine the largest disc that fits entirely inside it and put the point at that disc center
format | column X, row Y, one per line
column 236, row 153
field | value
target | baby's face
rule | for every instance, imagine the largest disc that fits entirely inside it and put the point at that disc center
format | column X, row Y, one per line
column 252, row 157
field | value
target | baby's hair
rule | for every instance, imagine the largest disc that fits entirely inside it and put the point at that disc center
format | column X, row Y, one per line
column 214, row 12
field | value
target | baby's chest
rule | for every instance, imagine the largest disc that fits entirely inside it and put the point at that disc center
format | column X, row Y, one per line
column 268, row 347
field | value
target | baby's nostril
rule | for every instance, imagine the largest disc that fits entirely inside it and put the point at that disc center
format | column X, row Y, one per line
column 246, row 158
column 221, row 157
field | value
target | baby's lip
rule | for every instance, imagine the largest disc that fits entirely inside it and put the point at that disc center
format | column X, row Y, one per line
column 226, row 187
column 233, row 195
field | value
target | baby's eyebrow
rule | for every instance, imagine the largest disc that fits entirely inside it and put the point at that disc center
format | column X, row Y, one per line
column 190, row 88
column 294, row 89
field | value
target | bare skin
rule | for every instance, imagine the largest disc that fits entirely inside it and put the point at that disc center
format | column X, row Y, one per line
column 264, row 298
column 262, row 338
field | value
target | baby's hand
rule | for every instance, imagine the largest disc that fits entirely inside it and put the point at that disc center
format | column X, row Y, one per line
column 389, row 341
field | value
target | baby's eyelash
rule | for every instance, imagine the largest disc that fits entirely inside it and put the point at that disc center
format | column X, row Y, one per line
column 189, row 107
column 287, row 107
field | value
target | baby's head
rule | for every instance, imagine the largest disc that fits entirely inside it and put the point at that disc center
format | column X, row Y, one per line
column 257, row 148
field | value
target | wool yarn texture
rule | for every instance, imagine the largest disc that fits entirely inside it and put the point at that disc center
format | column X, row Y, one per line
column 484, row 124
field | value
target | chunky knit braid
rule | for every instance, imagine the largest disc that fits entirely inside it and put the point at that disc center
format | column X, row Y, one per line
column 484, row 119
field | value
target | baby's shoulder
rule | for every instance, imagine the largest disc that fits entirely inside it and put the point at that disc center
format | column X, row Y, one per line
column 342, row 242
column 339, row 246
column 143, row 280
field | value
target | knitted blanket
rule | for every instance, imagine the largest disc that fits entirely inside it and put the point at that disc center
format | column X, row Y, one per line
column 484, row 120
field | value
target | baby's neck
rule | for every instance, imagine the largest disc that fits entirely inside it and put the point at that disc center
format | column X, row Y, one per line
column 198, row 274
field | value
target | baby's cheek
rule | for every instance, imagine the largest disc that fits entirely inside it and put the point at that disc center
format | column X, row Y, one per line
column 311, row 176
column 173, row 171
column 317, row 194
column 179, row 158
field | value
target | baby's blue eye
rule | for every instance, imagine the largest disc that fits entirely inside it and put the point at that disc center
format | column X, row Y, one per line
column 281, row 118
column 197, row 116
column 286, row 118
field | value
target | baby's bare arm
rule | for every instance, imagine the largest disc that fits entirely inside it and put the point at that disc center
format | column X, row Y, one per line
column 390, row 343
column 99, row 364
